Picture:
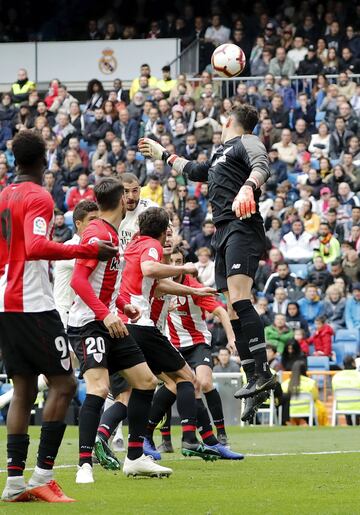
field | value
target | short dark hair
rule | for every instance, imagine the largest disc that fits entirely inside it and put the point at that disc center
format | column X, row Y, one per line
column 247, row 116
column 178, row 250
column 129, row 177
column 321, row 318
column 226, row 349
column 271, row 347
column 153, row 222
column 83, row 208
column 154, row 177
column 208, row 222
column 108, row 192
column 29, row 148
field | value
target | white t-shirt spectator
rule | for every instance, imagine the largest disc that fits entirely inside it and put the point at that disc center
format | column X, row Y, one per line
column 218, row 36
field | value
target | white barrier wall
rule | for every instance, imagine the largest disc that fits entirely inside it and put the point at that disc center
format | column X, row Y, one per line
column 81, row 61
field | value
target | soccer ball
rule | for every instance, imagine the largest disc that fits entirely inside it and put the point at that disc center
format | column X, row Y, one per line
column 228, row 60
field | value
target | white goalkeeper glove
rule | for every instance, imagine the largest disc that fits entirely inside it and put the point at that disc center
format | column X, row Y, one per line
column 151, row 149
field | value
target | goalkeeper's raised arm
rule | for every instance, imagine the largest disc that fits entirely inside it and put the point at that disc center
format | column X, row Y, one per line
column 194, row 171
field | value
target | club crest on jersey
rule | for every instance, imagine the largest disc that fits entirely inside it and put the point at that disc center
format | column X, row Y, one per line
column 98, row 356
column 65, row 363
column 39, row 226
column 94, row 239
column 153, row 253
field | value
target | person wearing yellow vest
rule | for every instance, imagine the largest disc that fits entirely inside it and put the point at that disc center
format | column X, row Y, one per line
column 22, row 87
column 166, row 84
column 135, row 85
column 347, row 378
column 153, row 190
column 300, row 383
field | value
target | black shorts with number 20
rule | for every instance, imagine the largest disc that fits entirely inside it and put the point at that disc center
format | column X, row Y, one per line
column 96, row 349
column 238, row 246
column 34, row 343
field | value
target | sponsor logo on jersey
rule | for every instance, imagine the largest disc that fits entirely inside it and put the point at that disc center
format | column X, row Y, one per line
column 221, row 159
column 39, row 226
column 116, row 264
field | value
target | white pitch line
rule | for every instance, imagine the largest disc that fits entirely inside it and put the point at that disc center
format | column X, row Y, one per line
column 250, row 455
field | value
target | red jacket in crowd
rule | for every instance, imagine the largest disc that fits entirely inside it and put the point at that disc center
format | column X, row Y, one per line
column 321, row 339
column 75, row 196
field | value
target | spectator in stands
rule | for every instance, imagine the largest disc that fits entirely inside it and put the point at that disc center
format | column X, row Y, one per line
column 259, row 66
column 116, row 154
column 62, row 232
column 328, row 246
column 336, row 228
column 336, row 272
column 22, row 87
column 269, row 134
column 101, row 152
column 310, row 219
column 281, row 64
column 346, row 86
column 226, row 364
column 281, row 278
column 63, row 130
column 97, row 129
column 286, row 149
column 135, row 166
column 166, row 84
column 334, row 307
column 278, row 334
column 206, row 267
column 272, row 357
column 217, row 34
column 153, row 190
column 291, row 353
column 92, row 33
column 193, row 217
column 297, row 245
column 278, row 114
column 98, row 172
column 95, row 96
column 280, row 301
column 321, row 337
column 294, row 319
column 339, row 138
column 203, row 238
column 80, row 192
column 311, row 306
column 145, row 71
column 352, row 308
column 274, row 233
column 298, row 51
column 72, row 168
column 351, row 266
column 126, row 129
column 320, row 141
column 62, row 101
column 311, row 64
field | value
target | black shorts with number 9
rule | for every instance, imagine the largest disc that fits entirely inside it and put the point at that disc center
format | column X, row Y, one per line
column 34, row 343
column 96, row 349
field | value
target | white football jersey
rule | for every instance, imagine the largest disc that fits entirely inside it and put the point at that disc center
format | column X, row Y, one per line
column 130, row 225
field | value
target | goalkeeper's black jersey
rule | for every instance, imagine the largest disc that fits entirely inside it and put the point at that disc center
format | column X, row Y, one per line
column 228, row 170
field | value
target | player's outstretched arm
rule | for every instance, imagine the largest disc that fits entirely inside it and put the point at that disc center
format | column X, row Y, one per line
column 194, row 171
column 169, row 287
column 157, row 270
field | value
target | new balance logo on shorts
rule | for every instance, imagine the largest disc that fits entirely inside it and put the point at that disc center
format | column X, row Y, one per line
column 253, row 340
column 236, row 266
column 207, row 360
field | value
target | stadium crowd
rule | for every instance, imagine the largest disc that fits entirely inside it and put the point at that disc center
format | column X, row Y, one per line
column 308, row 285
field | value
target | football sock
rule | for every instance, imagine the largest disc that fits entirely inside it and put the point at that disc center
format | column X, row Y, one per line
column 88, row 423
column 253, row 330
column 162, row 402
column 186, row 405
column 247, row 361
column 17, row 449
column 138, row 416
column 166, row 428
column 110, row 419
column 204, row 424
column 50, row 440
column 214, row 403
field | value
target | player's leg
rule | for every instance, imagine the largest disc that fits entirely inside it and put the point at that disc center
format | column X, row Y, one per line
column 143, row 383
column 239, row 287
column 25, row 391
column 166, row 445
column 114, row 414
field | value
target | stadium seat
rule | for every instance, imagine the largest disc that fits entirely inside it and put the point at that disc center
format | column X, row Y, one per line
column 343, row 399
column 318, row 363
column 347, row 335
column 320, row 116
column 306, row 402
column 5, row 387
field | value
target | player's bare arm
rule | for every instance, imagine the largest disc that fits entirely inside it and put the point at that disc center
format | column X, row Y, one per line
column 157, row 270
column 169, row 287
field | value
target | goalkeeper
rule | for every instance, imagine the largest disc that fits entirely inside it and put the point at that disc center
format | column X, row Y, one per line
column 235, row 175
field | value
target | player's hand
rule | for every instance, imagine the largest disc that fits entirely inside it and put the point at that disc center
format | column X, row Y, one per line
column 190, row 268
column 106, row 250
column 115, row 326
column 150, row 148
column 244, row 204
column 205, row 291
column 232, row 348
column 132, row 312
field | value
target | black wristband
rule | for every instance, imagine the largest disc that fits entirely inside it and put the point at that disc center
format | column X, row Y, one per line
column 165, row 156
column 251, row 184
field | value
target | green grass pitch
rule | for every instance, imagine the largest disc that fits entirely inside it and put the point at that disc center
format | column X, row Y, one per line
column 287, row 471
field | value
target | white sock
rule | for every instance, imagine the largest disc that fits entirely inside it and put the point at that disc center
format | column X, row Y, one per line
column 41, row 476
column 16, row 482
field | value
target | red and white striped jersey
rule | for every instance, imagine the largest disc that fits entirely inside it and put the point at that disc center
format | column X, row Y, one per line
column 103, row 277
column 160, row 310
column 136, row 289
column 186, row 323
